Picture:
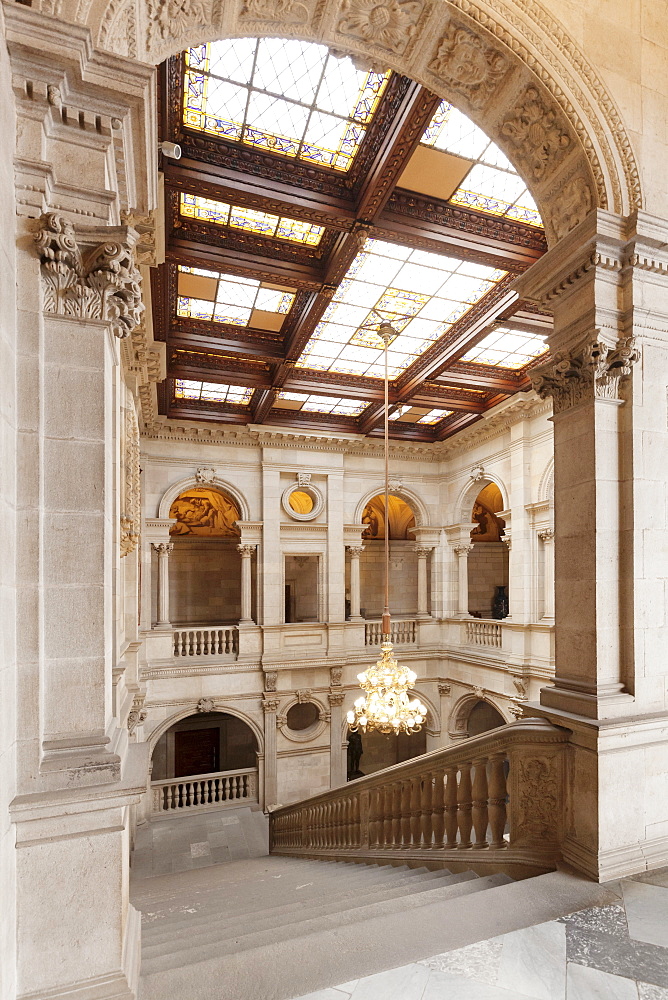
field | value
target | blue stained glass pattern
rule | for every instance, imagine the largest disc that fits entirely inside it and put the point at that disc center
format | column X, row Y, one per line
column 186, row 389
column 250, row 219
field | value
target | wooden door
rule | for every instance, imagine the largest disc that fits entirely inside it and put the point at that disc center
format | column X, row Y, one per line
column 196, row 751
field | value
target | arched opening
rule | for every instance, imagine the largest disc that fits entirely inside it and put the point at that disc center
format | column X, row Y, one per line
column 371, row 752
column 483, row 717
column 204, row 565
column 400, row 523
column 204, row 743
column 488, row 559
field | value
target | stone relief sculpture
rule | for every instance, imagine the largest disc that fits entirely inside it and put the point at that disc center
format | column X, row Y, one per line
column 206, row 513
column 391, row 25
column 537, row 132
column 131, row 513
column 467, row 65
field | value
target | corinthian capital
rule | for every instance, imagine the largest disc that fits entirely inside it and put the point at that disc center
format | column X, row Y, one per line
column 91, row 274
column 591, row 371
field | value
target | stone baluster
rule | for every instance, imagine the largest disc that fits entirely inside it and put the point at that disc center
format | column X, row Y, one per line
column 422, row 581
column 246, row 551
column 355, row 592
column 396, row 814
column 425, row 815
column 547, row 538
column 163, row 549
column 438, row 810
column 497, row 799
column 387, row 816
column 462, row 553
column 464, row 806
column 451, row 807
column 374, row 828
column 416, row 810
column 480, row 795
column 405, row 814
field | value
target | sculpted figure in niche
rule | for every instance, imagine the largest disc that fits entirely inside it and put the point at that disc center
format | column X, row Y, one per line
column 206, row 513
column 370, row 518
column 401, row 518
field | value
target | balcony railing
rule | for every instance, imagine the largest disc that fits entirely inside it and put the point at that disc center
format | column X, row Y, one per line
column 495, row 802
column 206, row 641
column 404, row 631
column 483, row 633
column 204, row 791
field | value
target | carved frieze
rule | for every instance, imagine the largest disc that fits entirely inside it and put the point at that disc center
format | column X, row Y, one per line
column 137, row 713
column 569, row 205
column 592, row 371
column 538, row 133
column 468, row 65
column 285, row 11
column 131, row 513
column 101, row 282
column 389, row 24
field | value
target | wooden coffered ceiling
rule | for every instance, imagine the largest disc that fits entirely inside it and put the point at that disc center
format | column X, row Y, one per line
column 364, row 202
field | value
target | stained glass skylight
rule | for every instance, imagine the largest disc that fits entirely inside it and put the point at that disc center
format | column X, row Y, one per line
column 250, row 220
column 229, row 298
column 320, row 404
column 492, row 184
column 286, row 96
column 211, row 391
column 421, row 294
column 506, row 348
column 418, row 414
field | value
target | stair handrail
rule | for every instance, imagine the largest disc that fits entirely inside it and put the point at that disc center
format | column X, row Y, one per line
column 493, row 802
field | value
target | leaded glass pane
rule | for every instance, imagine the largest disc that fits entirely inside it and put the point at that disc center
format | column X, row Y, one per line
column 506, row 348
column 236, row 298
column 323, row 404
column 252, row 220
column 186, row 389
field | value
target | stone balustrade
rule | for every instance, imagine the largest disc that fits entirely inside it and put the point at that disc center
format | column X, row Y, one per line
column 202, row 791
column 483, row 633
column 494, row 803
column 203, row 641
column 403, row 632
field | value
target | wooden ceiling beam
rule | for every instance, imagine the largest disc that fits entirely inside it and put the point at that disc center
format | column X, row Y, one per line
column 194, row 254
column 185, row 341
column 261, row 404
column 369, row 419
column 476, row 380
column 454, row 424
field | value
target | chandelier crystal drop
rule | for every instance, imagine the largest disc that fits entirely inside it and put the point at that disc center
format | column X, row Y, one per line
column 387, row 706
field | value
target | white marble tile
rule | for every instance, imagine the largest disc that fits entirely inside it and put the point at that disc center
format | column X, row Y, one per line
column 444, row 986
column 479, row 961
column 533, row 961
column 585, row 983
column 405, row 983
column 348, row 987
column 331, row 993
column 647, row 912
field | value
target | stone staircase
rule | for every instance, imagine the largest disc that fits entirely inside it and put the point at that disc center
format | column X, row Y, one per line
column 254, row 930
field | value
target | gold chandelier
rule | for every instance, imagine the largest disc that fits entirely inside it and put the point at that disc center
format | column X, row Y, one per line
column 386, row 706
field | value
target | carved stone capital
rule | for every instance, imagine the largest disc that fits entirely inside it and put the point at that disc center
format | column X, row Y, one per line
column 462, row 551
column 593, row 371
column 423, row 551
column 246, row 549
column 270, row 680
column 99, row 282
column 336, row 698
column 355, row 551
column 304, row 695
column 444, row 688
column 270, row 705
column 163, row 548
column 547, row 535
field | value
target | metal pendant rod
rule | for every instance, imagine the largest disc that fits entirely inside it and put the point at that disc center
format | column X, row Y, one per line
column 386, row 333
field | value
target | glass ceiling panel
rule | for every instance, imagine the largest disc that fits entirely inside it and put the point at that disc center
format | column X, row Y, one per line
column 228, row 298
column 185, row 389
column 290, row 97
column 418, row 414
column 252, row 221
column 507, row 348
column 319, row 404
column 421, row 294
column 492, row 184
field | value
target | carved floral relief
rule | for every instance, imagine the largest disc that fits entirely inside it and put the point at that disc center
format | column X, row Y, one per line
column 389, row 24
column 537, row 132
column 285, row 11
column 131, row 513
column 469, row 66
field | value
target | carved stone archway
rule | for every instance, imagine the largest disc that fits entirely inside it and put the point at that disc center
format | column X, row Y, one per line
column 470, row 491
column 214, row 482
column 515, row 72
column 461, row 710
column 397, row 489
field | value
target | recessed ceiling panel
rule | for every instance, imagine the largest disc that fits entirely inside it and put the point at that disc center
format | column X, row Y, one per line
column 319, row 404
column 211, row 391
column 420, row 294
column 233, row 299
column 250, row 220
column 507, row 348
column 289, row 97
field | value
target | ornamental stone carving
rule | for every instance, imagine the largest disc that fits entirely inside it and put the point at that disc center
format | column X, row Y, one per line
column 395, row 485
column 270, row 680
column 131, row 514
column 520, row 686
column 389, row 24
column 137, row 713
column 516, row 710
column 172, row 18
column 592, row 371
column 335, row 675
column 444, row 688
column 336, row 698
column 285, row 11
column 547, row 535
column 270, row 705
column 467, row 65
column 537, row 132
column 538, row 798
column 205, row 474
column 477, row 473
column 100, row 282
column 246, row 549
column 304, row 695
column 206, row 705
column 303, row 478
column 355, row 550
column 569, row 205
column 422, row 551
column 463, row 550
column 479, row 693
column 163, row 548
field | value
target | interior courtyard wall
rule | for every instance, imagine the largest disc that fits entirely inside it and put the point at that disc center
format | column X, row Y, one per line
column 488, row 569
column 204, row 581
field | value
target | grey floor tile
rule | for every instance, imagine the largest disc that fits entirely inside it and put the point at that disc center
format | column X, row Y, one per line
column 533, row 961
column 646, row 991
column 478, row 961
column 613, row 951
column 647, row 912
column 585, row 983
column 405, row 983
column 659, row 876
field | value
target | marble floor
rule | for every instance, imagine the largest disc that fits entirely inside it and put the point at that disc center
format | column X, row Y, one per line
column 613, row 952
column 210, row 837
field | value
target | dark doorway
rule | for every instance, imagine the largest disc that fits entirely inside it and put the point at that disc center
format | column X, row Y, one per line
column 196, row 752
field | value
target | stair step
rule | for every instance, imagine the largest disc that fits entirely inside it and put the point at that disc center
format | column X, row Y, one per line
column 192, row 954
column 156, row 935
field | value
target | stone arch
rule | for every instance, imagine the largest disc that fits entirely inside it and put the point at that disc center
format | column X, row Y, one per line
column 517, row 74
column 546, row 486
column 184, row 713
column 470, row 491
column 175, row 490
column 415, row 502
column 461, row 710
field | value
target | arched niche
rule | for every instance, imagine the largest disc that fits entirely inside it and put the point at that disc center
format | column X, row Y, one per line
column 553, row 117
column 461, row 713
column 409, row 497
column 471, row 490
column 487, row 563
column 203, row 743
column 216, row 483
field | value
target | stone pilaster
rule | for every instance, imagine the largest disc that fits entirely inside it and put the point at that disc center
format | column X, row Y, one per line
column 355, row 594
column 546, row 536
column 423, row 552
column 246, row 551
column 163, row 549
column 270, row 708
column 337, row 759
column 462, row 556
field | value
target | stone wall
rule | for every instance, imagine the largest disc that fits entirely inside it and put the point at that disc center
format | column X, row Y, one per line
column 302, row 774
column 488, row 569
column 403, row 578
column 204, row 581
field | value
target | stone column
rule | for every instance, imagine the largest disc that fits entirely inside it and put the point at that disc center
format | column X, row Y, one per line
column 246, row 551
column 355, row 596
column 270, row 707
column 337, row 761
column 163, row 549
column 462, row 553
column 547, row 538
column 422, row 581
